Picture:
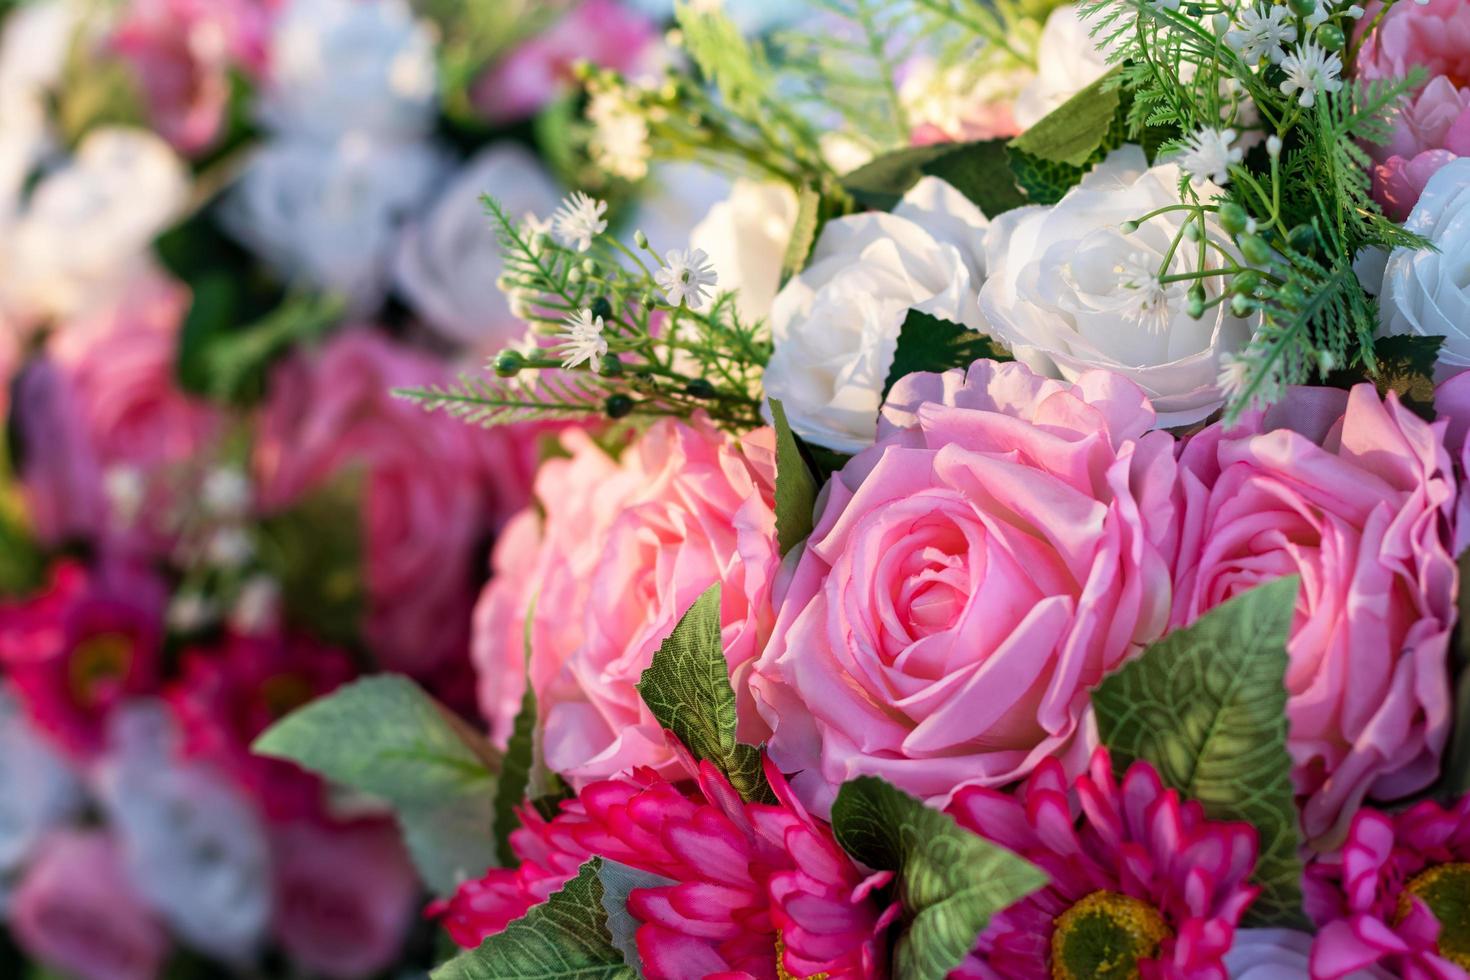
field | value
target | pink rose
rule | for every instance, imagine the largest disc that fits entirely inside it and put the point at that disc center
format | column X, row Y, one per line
column 624, row 549
column 1434, row 36
column 1432, row 130
column 434, row 488
column 345, row 896
column 76, row 912
column 1355, row 495
column 1003, row 546
column 606, row 33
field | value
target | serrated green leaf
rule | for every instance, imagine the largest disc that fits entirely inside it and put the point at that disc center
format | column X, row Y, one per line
column 687, row 687
column 949, row 880
column 518, row 771
column 982, row 172
column 928, row 343
column 1206, row 705
column 883, row 181
column 565, row 936
column 618, row 881
column 314, row 549
column 384, row 736
column 803, row 232
column 796, row 487
column 1073, row 132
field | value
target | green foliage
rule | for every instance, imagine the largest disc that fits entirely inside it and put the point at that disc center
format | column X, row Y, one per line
column 564, row 937
column 1077, row 129
column 1206, row 705
column 687, row 687
column 384, row 736
column 809, row 219
column 1403, row 364
column 314, row 550
column 796, row 487
column 984, row 172
column 228, row 361
column 882, row 182
column 929, row 343
column 618, row 881
column 949, row 880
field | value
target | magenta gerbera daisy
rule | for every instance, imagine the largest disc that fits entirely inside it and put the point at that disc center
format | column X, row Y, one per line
column 1396, row 894
column 1142, row 885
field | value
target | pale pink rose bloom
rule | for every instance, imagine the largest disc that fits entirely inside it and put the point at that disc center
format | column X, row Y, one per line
column 1432, row 130
column 604, row 32
column 76, row 912
column 1003, row 546
column 434, row 488
column 1434, row 36
column 1358, row 501
column 624, row 549
column 345, row 896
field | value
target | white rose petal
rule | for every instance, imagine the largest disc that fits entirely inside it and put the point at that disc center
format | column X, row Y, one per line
column 835, row 326
column 745, row 237
column 1070, row 291
column 38, row 790
column 1279, row 954
column 1067, row 61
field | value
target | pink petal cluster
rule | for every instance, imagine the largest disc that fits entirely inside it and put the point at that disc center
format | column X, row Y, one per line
column 1355, row 494
column 1134, row 839
column 432, row 492
column 1363, row 900
column 743, row 877
column 593, row 587
column 1006, row 533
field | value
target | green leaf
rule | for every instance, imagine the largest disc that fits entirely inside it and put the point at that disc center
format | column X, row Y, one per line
column 618, row 881
column 1403, row 363
column 949, row 880
column 384, row 736
column 687, row 687
column 803, row 233
column 1074, row 131
column 883, row 181
column 1206, row 705
column 523, row 772
column 796, row 487
column 565, row 936
column 982, row 172
column 929, row 343
column 314, row 550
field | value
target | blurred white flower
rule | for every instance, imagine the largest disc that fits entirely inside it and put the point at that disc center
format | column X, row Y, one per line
column 1208, row 154
column 620, row 136
column 745, row 237
column 1310, row 69
column 1262, row 33
column 1427, row 291
column 226, row 492
column 582, row 342
column 38, row 790
column 685, row 277
column 579, row 220
column 229, row 547
column 257, row 607
column 1067, row 61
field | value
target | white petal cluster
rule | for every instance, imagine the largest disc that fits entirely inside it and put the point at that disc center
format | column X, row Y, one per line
column 582, row 342
column 579, row 220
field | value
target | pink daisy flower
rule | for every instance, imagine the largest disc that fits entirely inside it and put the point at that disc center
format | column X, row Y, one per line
column 1142, row 885
column 1397, row 894
column 758, row 889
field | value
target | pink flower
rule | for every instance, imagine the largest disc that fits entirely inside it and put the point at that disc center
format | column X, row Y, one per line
column 745, row 876
column 604, row 32
column 1006, row 533
column 1432, row 130
column 1140, row 863
column 1354, row 494
column 1434, row 36
column 345, row 896
column 76, row 912
column 1393, row 895
column 624, row 549
column 87, row 642
column 433, row 488
column 228, row 695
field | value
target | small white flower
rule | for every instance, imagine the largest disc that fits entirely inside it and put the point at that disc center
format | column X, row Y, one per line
column 1273, row 145
column 257, row 606
column 1208, row 156
column 686, row 277
column 1145, row 299
column 620, row 140
column 579, row 220
column 1233, row 374
column 1310, row 69
column 190, row 612
column 226, row 492
column 1262, row 34
column 125, row 491
column 583, row 341
column 229, row 547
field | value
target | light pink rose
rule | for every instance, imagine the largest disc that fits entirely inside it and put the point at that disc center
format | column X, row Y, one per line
column 434, row 488
column 624, row 549
column 76, row 912
column 1003, row 546
column 1354, row 494
column 1432, row 130
column 1434, row 36
column 345, row 896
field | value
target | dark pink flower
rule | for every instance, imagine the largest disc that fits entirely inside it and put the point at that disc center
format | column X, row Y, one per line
column 1395, row 895
column 1141, row 866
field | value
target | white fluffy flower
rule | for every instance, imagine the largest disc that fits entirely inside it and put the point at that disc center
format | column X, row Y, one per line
column 1067, row 61
column 579, row 220
column 1427, row 292
column 620, row 136
column 1070, row 291
column 685, row 277
column 1262, row 33
column 835, row 325
column 583, row 341
column 1311, row 69
column 448, row 261
column 329, row 214
column 340, row 66
column 38, row 790
column 194, row 847
column 745, row 237
column 1208, row 154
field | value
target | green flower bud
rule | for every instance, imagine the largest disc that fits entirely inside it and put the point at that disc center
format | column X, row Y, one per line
column 1255, row 249
column 612, row 366
column 1233, row 218
column 1196, row 308
column 1303, row 239
column 1330, row 36
column 601, row 307
column 618, row 406
column 1245, row 283
column 1240, row 305
column 1302, row 8
column 700, row 388
column 508, row 363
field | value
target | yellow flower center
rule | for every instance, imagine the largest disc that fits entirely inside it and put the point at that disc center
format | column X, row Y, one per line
column 1105, row 935
column 1445, row 888
column 96, row 662
column 781, row 972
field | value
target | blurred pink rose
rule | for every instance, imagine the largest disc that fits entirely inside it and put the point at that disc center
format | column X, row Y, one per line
column 345, row 896
column 1007, row 533
column 604, row 32
column 1434, row 35
column 1354, row 494
column 434, row 488
column 76, row 912
column 624, row 549
column 1431, row 130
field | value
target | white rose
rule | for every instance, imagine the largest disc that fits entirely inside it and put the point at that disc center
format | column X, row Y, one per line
column 38, row 790
column 745, row 237
column 835, row 326
column 1069, row 291
column 340, row 66
column 677, row 197
column 448, row 262
column 88, row 225
column 1067, row 61
column 1428, row 292
column 330, row 213
column 1279, row 954
column 194, row 847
